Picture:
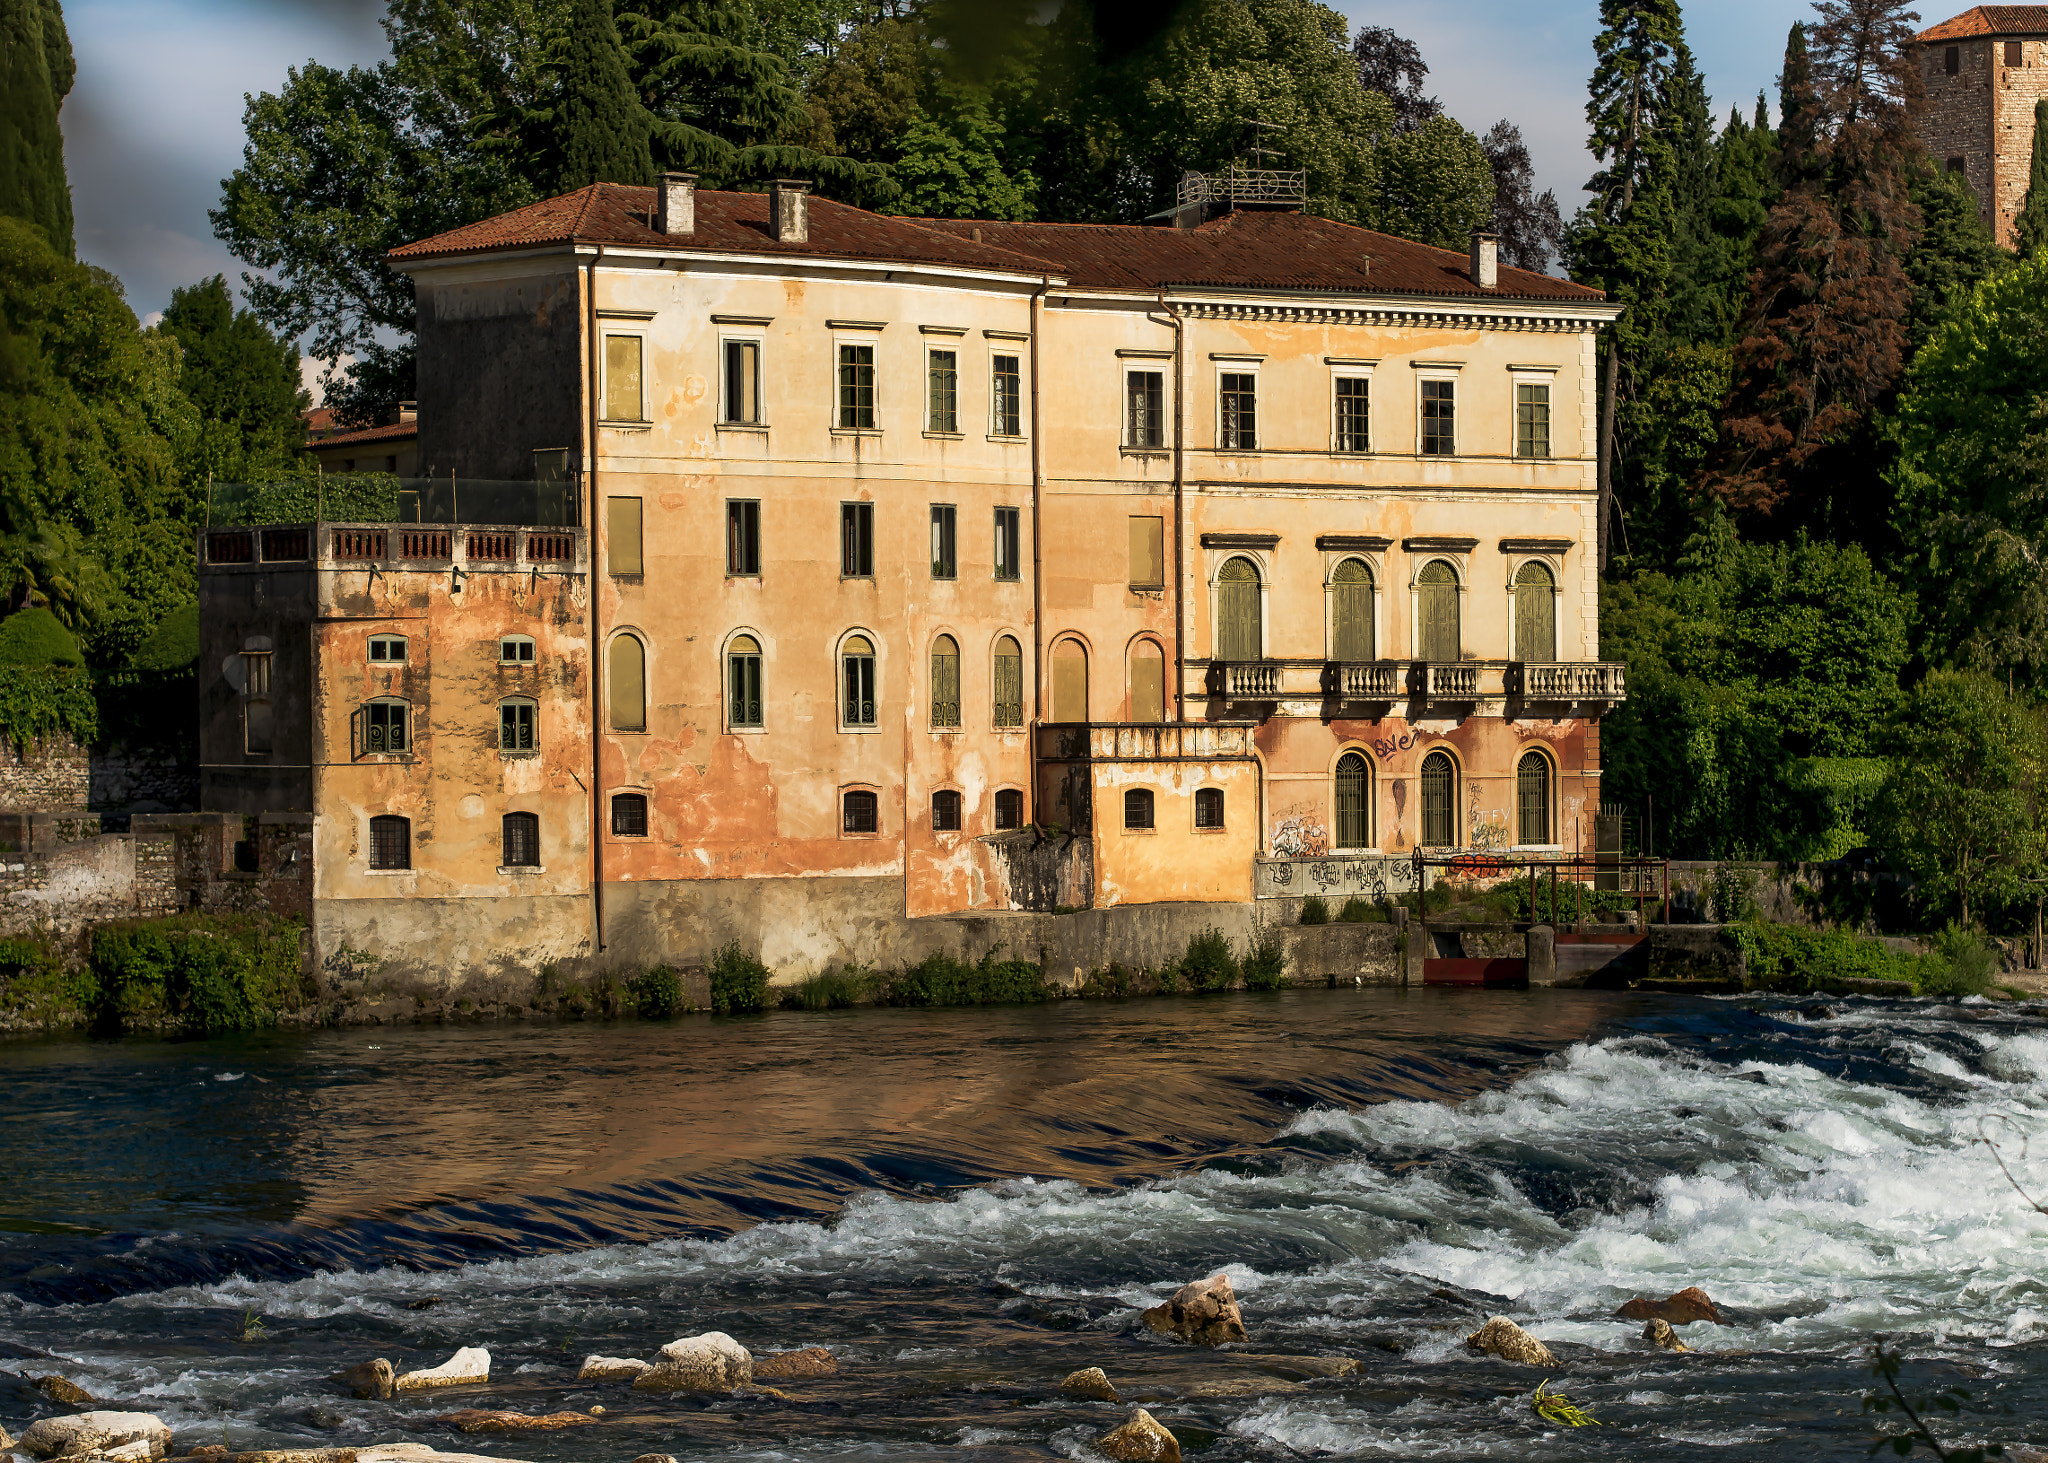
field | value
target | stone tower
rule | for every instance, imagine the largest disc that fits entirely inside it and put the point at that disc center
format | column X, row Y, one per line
column 1984, row 70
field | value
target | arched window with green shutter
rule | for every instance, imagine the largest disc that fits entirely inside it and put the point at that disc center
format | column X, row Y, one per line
column 1354, row 801
column 1009, row 683
column 1351, row 632
column 945, row 682
column 1532, row 798
column 1439, row 801
column 1436, row 611
column 1535, row 613
column 1238, row 634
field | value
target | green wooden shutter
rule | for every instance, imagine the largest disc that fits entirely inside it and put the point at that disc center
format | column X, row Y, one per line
column 1009, row 697
column 1439, row 801
column 1353, row 785
column 1237, row 612
column 1351, row 637
column 1535, row 614
column 1437, row 607
column 1532, row 798
column 945, row 683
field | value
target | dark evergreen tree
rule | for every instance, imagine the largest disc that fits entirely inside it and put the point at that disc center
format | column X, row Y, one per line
column 602, row 132
column 1393, row 66
column 1953, row 255
column 1694, row 312
column 1531, row 229
column 36, row 71
column 243, row 380
column 1745, row 188
column 2030, row 229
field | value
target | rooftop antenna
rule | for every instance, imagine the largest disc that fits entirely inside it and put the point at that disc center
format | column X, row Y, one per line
column 1260, row 153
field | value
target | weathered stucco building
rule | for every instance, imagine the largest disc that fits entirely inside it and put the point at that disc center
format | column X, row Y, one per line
column 927, row 568
column 1984, row 70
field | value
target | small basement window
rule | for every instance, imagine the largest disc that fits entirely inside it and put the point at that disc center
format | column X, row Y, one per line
column 1209, row 807
column 629, row 815
column 390, row 842
column 1138, row 809
column 515, row 650
column 946, row 812
column 1009, row 809
column 386, row 648
column 522, row 840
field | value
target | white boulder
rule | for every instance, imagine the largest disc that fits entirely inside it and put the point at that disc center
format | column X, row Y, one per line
column 470, row 1364
column 713, row 1362
column 611, row 1369
column 96, row 1432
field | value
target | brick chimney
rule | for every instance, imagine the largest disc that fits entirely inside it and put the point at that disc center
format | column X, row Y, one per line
column 789, row 211
column 675, row 204
column 1486, row 260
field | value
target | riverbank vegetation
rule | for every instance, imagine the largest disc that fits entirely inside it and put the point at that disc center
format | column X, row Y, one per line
column 190, row 972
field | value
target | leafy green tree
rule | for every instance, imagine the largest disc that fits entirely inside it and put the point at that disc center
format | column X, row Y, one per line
column 953, row 169
column 36, row 71
column 243, row 380
column 602, row 132
column 1953, row 255
column 2030, row 229
column 1436, row 185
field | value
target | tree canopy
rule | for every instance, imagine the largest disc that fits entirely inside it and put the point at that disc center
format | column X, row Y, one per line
column 36, row 72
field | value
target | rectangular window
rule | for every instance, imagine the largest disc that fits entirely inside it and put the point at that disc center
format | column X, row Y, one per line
column 515, row 726
column 1006, row 413
column 743, row 382
column 622, row 379
column 384, row 727
column 1354, row 415
column 1439, row 418
column 390, row 843
column 1009, row 809
column 1532, row 419
column 629, row 815
column 945, row 559
column 1209, row 807
column 856, row 388
column 856, row 540
column 1240, row 425
column 1955, row 165
column 1148, row 553
column 521, row 841
column 1952, row 60
column 387, row 648
column 1144, row 409
column 256, row 670
column 622, row 535
column 743, row 538
column 942, row 373
column 2013, row 54
column 1009, row 544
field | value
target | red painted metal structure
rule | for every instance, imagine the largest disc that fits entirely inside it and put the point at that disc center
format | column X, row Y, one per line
column 1577, row 946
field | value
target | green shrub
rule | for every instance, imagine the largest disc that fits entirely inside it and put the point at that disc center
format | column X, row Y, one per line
column 208, row 972
column 38, row 701
column 1315, row 910
column 1794, row 957
column 1265, row 967
column 658, row 992
column 940, row 980
column 739, row 982
column 1359, row 911
column 34, row 982
column 1209, row 964
column 831, row 990
column 1172, row 978
column 1961, row 964
column 174, row 645
column 36, row 637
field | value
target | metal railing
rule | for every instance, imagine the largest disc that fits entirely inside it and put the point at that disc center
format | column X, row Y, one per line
column 1235, row 184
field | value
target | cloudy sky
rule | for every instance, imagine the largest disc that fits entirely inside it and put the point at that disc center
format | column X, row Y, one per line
column 155, row 121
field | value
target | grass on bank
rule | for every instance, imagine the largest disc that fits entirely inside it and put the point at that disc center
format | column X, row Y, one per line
column 195, row 972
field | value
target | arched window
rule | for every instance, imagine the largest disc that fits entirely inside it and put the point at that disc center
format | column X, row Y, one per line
column 1532, row 798
column 743, row 681
column 1439, row 801
column 1238, row 634
column 862, row 812
column 385, row 725
column 1009, row 683
column 1535, row 613
column 1138, row 808
column 629, row 815
column 1354, row 801
column 522, row 841
column 1069, row 681
column 514, row 650
column 1148, row 681
column 390, row 842
column 1436, row 611
column 857, row 679
column 627, row 675
column 517, row 728
column 387, row 649
column 1009, row 809
column 1351, row 637
column 946, row 811
column 1209, row 807
column 946, row 683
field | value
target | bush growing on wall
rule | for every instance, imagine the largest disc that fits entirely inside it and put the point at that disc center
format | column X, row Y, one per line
column 739, row 981
column 657, row 992
column 35, row 984
column 1209, row 964
column 208, row 972
column 1315, row 910
column 940, row 980
column 1265, row 967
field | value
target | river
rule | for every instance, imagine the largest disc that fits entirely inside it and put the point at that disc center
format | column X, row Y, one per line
column 967, row 1205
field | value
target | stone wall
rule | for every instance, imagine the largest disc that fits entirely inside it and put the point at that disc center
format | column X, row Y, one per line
column 57, row 773
column 1984, row 114
column 54, row 772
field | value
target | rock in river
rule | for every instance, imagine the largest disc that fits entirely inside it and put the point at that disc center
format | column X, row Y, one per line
column 611, row 1369
column 1504, row 1339
column 1140, row 1440
column 1202, row 1311
column 470, row 1364
column 1682, row 1309
column 1659, row 1333
column 713, row 1362
column 95, row 1432
column 812, row 1361
column 1090, row 1382
column 368, row 1379
column 484, row 1420
column 68, row 1394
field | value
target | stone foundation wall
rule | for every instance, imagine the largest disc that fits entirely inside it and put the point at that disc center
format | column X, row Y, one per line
column 50, row 774
column 56, row 774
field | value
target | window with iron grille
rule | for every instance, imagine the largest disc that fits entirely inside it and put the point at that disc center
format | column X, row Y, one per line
column 743, row 677
column 1354, row 786
column 385, row 649
column 1209, row 807
column 861, row 812
column 856, row 388
column 516, row 726
column 385, row 727
column 945, row 683
column 743, row 382
column 946, row 812
column 390, row 842
column 1009, row 809
column 1239, row 428
column 1009, row 542
column 515, row 650
column 1006, row 414
column 1532, row 419
column 945, row 555
column 1138, row 808
column 857, row 660
column 1439, row 418
column 522, row 841
column 1354, row 415
column 1532, row 798
column 1145, row 409
column 629, row 815
column 1009, row 683
column 742, row 538
column 1439, row 801
column 856, row 540
column 942, row 373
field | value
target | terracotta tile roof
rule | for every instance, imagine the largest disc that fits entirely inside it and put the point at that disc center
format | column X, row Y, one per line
column 1259, row 249
column 1247, row 249
column 391, row 432
column 1990, row 20
column 320, row 421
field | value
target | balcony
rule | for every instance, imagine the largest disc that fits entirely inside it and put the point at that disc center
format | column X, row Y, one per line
column 1140, row 741
column 1598, row 681
column 1371, row 680
column 1246, row 680
column 1464, row 680
column 472, row 548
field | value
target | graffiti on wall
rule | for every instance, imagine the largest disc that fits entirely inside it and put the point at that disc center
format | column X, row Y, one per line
column 1489, row 830
column 1299, row 833
column 1375, row 879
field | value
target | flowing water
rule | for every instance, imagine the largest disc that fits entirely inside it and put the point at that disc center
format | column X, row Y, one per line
column 967, row 1205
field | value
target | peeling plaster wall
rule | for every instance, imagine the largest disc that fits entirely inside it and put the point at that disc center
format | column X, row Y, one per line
column 500, row 367
column 1174, row 860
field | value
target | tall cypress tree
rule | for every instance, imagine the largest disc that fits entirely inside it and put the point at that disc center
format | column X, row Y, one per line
column 36, row 71
column 604, row 133
column 2031, row 227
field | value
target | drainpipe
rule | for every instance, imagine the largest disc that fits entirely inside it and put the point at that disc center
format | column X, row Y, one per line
column 1037, row 551
column 596, row 643
column 1180, row 609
